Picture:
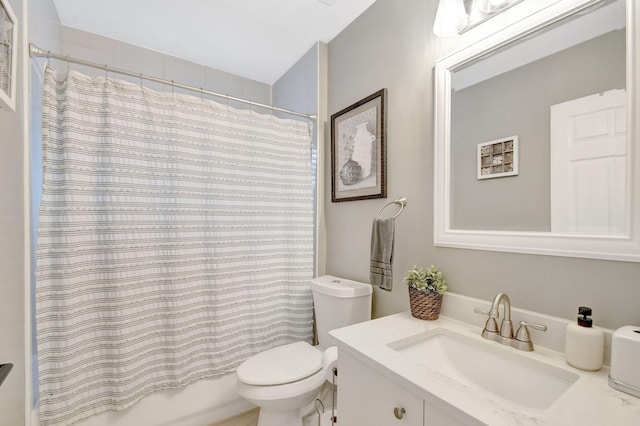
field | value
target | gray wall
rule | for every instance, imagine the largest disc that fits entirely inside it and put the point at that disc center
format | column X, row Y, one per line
column 44, row 25
column 391, row 45
column 12, row 221
column 118, row 54
column 297, row 89
column 518, row 103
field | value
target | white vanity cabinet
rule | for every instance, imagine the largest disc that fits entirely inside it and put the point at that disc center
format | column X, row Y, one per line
column 378, row 378
column 366, row 397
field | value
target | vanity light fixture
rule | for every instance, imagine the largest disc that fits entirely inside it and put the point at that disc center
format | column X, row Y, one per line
column 451, row 18
column 457, row 16
column 491, row 6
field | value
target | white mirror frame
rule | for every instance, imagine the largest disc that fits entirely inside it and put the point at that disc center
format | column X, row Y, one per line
column 610, row 247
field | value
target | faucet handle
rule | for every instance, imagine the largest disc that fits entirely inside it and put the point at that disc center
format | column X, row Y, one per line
column 480, row 311
column 522, row 340
column 490, row 330
column 533, row 325
column 485, row 312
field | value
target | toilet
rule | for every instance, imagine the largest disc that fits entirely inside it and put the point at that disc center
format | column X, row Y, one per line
column 284, row 380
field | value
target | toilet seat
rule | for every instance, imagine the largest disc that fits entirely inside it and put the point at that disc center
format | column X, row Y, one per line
column 305, row 389
column 281, row 365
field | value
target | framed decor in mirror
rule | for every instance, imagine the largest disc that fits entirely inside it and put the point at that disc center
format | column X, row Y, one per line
column 498, row 158
column 8, row 51
column 563, row 76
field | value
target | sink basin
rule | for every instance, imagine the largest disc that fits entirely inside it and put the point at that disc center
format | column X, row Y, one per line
column 488, row 367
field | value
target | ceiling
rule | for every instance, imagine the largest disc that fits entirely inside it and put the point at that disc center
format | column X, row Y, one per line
column 255, row 39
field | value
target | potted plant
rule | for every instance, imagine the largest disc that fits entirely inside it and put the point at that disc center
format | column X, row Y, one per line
column 426, row 288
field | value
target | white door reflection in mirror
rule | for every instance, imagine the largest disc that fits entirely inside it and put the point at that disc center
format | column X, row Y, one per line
column 589, row 163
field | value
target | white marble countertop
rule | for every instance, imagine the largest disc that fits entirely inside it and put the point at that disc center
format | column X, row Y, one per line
column 589, row 401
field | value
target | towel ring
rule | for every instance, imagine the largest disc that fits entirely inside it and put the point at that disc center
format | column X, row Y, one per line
column 400, row 201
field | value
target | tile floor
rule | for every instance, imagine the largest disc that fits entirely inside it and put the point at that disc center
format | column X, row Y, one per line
column 248, row 418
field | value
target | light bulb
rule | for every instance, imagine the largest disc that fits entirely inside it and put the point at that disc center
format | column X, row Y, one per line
column 451, row 18
column 490, row 6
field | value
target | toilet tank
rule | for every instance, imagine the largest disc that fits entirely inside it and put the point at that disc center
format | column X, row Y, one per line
column 339, row 302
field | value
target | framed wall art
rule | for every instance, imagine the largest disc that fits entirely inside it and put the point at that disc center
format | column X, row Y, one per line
column 8, row 52
column 498, row 158
column 358, row 150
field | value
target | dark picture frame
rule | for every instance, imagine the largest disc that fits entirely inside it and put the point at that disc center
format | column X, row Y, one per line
column 358, row 150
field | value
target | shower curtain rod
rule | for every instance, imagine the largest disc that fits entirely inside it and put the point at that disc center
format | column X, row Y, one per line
column 35, row 51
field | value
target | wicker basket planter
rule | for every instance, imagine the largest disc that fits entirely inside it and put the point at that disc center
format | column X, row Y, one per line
column 424, row 305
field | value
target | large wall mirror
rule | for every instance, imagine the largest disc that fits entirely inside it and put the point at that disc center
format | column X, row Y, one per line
column 536, row 143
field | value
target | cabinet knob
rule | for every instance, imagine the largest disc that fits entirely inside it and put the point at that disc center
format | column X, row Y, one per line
column 399, row 412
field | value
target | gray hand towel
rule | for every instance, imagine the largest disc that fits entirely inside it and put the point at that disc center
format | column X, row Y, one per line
column 382, row 253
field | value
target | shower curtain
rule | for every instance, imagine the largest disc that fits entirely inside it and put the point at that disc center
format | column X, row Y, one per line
column 175, row 240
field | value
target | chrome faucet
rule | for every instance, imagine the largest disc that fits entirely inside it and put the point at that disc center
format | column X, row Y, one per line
column 504, row 334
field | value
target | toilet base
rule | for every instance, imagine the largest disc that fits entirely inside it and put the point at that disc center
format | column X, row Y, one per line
column 279, row 418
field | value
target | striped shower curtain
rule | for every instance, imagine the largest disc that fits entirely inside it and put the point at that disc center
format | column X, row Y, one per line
column 175, row 240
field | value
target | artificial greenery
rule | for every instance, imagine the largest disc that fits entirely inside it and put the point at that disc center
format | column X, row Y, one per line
column 429, row 280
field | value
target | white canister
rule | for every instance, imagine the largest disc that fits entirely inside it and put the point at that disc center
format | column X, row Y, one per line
column 625, row 353
column 584, row 343
column 363, row 149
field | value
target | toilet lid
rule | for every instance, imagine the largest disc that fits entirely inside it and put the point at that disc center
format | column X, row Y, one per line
column 280, row 365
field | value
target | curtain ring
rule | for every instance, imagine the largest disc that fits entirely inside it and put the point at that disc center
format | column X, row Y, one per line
column 141, row 80
column 68, row 65
column 106, row 69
